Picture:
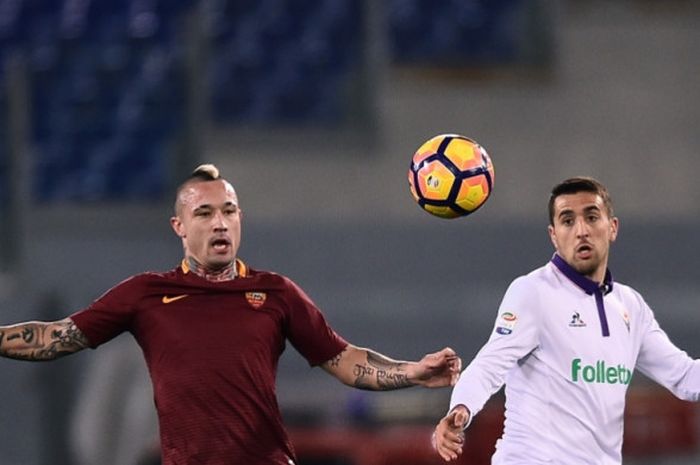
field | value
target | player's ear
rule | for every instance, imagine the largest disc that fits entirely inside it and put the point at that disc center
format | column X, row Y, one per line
column 614, row 228
column 552, row 236
column 176, row 224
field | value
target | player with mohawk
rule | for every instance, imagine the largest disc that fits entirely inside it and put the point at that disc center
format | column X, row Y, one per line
column 212, row 331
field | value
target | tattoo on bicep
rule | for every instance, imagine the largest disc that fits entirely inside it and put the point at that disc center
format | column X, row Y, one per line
column 386, row 374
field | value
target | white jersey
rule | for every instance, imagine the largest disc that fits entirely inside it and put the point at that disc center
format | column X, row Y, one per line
column 566, row 349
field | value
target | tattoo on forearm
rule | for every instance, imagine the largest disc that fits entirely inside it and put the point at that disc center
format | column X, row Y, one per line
column 41, row 341
column 362, row 370
column 28, row 335
column 335, row 361
column 381, row 372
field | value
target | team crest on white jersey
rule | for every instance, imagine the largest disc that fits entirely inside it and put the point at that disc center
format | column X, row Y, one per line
column 626, row 318
column 506, row 323
column 576, row 321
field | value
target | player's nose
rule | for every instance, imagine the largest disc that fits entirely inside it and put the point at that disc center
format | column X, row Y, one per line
column 220, row 222
column 581, row 227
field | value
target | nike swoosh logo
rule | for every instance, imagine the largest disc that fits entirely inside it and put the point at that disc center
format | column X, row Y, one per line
column 167, row 300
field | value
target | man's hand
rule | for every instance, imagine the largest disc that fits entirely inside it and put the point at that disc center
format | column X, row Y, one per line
column 438, row 369
column 448, row 437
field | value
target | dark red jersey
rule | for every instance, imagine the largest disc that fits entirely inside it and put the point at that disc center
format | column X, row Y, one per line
column 212, row 350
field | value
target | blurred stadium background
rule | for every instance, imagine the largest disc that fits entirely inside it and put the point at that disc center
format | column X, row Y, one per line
column 313, row 108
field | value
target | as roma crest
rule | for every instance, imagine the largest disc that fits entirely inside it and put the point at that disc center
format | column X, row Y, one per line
column 256, row 299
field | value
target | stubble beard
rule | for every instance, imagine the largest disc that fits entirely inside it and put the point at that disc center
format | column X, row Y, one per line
column 586, row 268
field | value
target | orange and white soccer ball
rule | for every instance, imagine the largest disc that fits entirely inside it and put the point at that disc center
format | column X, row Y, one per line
column 451, row 176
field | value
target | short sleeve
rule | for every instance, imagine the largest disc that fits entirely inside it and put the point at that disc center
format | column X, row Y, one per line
column 109, row 315
column 307, row 329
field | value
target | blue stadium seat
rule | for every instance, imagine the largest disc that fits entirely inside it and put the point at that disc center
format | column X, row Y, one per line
column 283, row 61
column 125, row 168
column 107, row 87
column 455, row 32
column 12, row 23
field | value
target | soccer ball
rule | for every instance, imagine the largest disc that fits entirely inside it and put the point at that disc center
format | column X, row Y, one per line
column 451, row 176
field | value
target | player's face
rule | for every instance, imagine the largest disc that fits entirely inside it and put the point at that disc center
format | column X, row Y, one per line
column 582, row 233
column 209, row 223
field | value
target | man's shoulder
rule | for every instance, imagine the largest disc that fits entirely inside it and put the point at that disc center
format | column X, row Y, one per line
column 150, row 276
column 145, row 280
column 531, row 286
column 625, row 288
column 627, row 293
column 252, row 277
column 267, row 279
column 538, row 277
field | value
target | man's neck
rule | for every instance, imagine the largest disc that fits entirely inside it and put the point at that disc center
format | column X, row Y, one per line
column 225, row 273
column 588, row 283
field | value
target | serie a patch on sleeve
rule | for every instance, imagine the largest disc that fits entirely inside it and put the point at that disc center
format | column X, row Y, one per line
column 506, row 323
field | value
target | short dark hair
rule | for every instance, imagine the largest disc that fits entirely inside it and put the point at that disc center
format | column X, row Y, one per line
column 202, row 173
column 580, row 184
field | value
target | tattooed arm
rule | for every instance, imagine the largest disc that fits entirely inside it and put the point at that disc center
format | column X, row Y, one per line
column 41, row 341
column 366, row 369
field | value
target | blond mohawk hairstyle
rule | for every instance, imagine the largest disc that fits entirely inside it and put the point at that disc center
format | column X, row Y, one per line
column 202, row 173
column 207, row 171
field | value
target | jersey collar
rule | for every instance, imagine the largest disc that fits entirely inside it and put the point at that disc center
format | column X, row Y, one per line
column 241, row 268
column 587, row 285
column 590, row 287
